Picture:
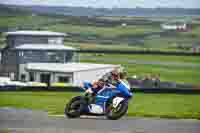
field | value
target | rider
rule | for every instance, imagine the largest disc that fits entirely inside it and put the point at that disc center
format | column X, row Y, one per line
column 120, row 81
column 112, row 80
column 115, row 78
column 118, row 77
column 94, row 87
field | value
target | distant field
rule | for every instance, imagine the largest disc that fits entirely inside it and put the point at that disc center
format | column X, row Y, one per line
column 194, row 32
column 167, row 72
column 169, row 58
column 104, row 31
column 23, row 21
column 114, row 18
column 141, row 34
column 172, row 42
column 94, row 46
column 148, row 46
column 148, row 105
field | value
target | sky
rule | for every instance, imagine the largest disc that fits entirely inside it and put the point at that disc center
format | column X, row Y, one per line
column 110, row 3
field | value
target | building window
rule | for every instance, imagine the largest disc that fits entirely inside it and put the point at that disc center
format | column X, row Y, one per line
column 54, row 57
column 55, row 40
column 12, row 76
column 21, row 53
column 45, row 78
column 69, row 57
column 23, row 77
column 31, row 76
column 0, row 58
column 63, row 79
column 29, row 52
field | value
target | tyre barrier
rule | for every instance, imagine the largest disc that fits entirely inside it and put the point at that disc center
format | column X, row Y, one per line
column 78, row 89
column 144, row 52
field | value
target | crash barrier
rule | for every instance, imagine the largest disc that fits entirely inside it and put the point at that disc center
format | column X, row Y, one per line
column 147, row 52
column 41, row 88
column 166, row 90
column 78, row 89
column 159, row 84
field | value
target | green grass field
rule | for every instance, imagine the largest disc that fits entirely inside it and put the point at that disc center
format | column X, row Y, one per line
column 102, row 31
column 110, row 34
column 25, row 20
column 94, row 46
column 124, row 46
column 150, row 105
column 167, row 72
column 169, row 58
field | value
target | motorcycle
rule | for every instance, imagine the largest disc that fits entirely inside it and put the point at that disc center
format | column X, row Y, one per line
column 109, row 102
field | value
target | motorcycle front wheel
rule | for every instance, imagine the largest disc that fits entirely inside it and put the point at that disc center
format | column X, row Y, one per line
column 116, row 113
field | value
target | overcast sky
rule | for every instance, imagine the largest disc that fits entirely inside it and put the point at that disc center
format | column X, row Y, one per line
column 110, row 3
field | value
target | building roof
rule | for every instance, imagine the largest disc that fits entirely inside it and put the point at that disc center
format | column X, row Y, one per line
column 67, row 67
column 36, row 33
column 43, row 47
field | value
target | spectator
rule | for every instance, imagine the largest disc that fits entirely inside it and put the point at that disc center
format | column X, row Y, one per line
column 123, row 77
column 147, row 77
column 157, row 83
column 147, row 81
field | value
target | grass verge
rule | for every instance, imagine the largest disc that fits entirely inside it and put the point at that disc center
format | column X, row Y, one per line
column 142, row 105
column 167, row 72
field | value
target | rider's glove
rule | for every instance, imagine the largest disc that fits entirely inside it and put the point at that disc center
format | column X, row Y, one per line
column 89, row 90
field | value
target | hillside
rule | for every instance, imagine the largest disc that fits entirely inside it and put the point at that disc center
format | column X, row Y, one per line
column 8, row 11
column 88, row 11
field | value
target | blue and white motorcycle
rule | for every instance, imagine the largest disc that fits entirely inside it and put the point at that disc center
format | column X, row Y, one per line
column 109, row 102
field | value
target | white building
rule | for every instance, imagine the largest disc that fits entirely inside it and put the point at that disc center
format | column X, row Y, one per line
column 195, row 49
column 73, row 73
column 174, row 26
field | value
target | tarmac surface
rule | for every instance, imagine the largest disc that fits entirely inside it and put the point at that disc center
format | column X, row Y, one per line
column 28, row 121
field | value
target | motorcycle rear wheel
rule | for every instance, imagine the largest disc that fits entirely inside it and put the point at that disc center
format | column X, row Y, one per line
column 74, row 107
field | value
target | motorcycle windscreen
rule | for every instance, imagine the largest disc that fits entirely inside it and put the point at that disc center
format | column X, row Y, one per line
column 87, row 85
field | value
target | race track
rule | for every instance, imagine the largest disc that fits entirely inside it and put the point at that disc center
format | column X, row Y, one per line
column 27, row 121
